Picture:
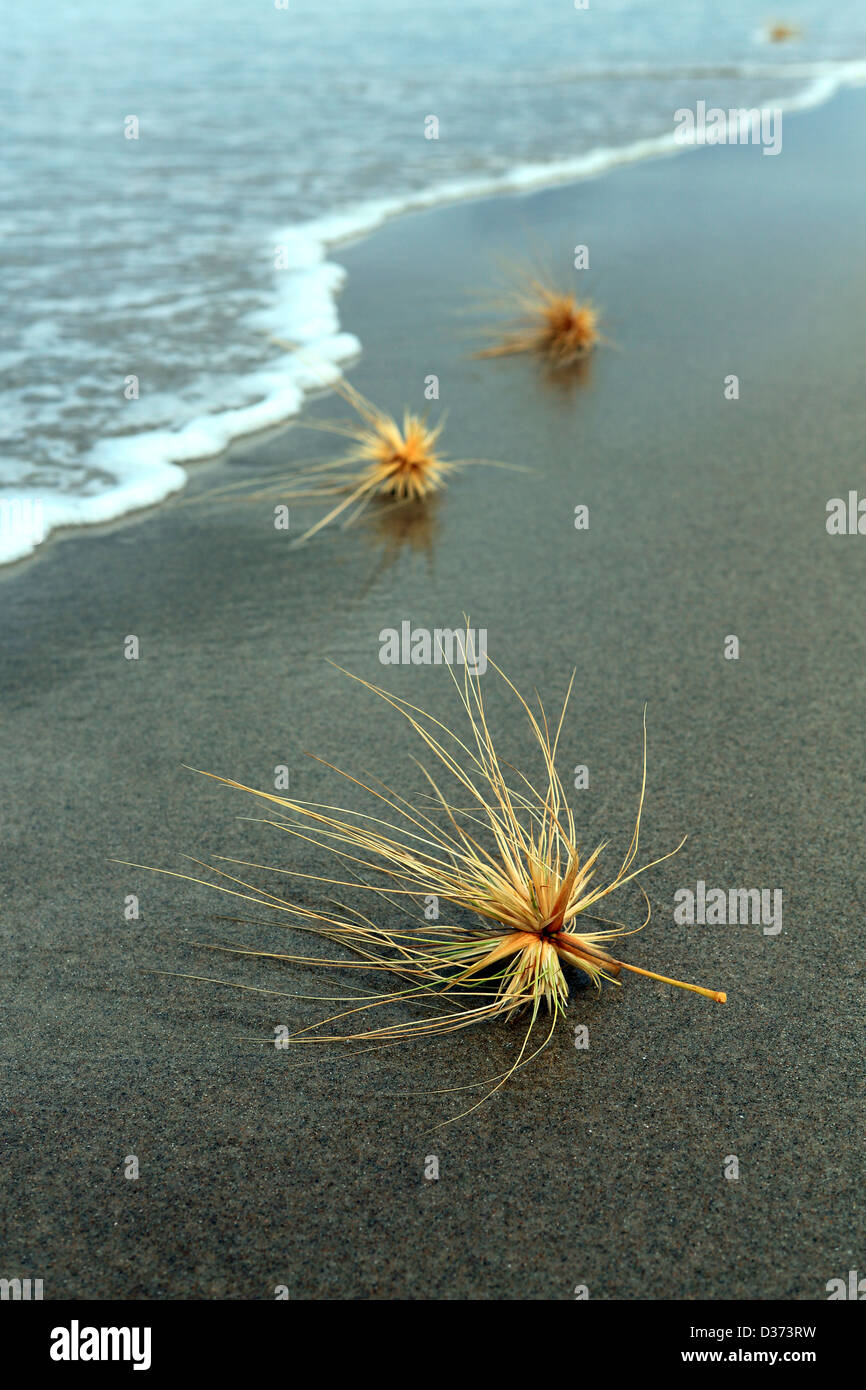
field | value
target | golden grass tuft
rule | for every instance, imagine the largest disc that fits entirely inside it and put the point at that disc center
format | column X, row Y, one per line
column 507, row 863
column 552, row 323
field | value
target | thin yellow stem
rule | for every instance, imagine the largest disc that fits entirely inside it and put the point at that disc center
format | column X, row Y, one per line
column 719, row 996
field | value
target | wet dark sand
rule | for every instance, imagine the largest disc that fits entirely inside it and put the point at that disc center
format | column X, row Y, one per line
column 707, row 518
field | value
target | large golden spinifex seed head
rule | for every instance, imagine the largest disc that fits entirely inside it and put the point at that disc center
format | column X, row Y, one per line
column 500, row 849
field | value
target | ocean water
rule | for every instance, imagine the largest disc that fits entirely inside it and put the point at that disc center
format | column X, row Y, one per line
column 143, row 278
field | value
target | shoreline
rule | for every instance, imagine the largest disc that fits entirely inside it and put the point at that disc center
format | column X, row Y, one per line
column 310, row 243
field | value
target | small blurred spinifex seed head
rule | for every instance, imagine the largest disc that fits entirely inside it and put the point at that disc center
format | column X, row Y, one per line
column 386, row 461
column 779, row 31
column 550, row 322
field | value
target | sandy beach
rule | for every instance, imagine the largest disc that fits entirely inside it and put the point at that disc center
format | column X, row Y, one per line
column 601, row 1167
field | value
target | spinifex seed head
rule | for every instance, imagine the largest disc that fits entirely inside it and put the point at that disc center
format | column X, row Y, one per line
column 503, row 854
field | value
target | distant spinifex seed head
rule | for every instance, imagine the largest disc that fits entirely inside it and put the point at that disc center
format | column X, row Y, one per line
column 393, row 462
column 401, row 460
column 385, row 459
column 506, row 859
column 544, row 319
column 779, row 31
